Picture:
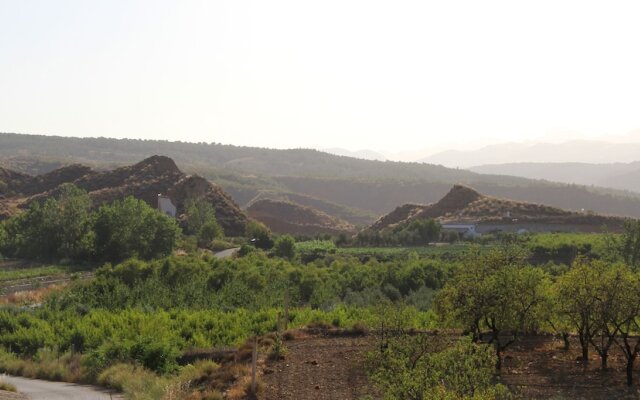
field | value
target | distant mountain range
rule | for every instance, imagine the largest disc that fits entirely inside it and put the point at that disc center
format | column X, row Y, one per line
column 625, row 176
column 354, row 190
column 577, row 151
column 362, row 154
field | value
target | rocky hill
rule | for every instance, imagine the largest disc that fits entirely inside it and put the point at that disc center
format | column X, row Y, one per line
column 360, row 187
column 464, row 204
column 286, row 217
column 144, row 180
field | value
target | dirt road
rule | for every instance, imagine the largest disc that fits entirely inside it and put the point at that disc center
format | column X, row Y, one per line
column 37, row 389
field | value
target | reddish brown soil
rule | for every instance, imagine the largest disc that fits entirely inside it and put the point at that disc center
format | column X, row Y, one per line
column 319, row 368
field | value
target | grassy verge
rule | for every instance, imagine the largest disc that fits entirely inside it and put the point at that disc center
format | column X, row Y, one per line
column 14, row 273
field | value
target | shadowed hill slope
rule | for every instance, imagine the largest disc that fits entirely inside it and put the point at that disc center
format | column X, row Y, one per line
column 464, row 204
column 287, row 217
column 144, row 180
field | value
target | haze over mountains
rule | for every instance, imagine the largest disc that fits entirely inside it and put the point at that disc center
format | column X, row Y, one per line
column 577, row 151
column 355, row 190
column 625, row 176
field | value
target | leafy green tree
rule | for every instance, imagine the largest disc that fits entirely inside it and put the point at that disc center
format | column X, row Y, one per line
column 428, row 230
column 258, row 234
column 285, row 247
column 201, row 221
column 577, row 292
column 74, row 224
column 131, row 228
column 61, row 228
column 627, row 245
column 626, row 319
column 496, row 291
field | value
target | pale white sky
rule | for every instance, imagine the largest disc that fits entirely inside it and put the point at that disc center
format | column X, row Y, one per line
column 382, row 75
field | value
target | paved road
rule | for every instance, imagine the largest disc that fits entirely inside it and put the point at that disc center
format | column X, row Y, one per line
column 226, row 253
column 38, row 389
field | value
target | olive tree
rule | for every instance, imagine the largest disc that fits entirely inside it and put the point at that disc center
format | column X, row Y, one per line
column 496, row 292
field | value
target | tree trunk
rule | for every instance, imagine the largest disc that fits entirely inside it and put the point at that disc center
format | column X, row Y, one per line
column 565, row 338
column 603, row 359
column 630, row 371
column 585, row 349
column 498, row 354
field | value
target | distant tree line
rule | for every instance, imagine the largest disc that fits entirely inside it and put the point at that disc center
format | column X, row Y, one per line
column 419, row 232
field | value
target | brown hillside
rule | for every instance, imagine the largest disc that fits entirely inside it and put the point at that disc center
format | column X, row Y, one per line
column 353, row 216
column 287, row 217
column 12, row 181
column 144, row 180
column 465, row 204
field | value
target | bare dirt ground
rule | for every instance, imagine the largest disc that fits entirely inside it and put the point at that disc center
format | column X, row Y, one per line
column 326, row 368
column 538, row 368
column 4, row 395
column 319, row 368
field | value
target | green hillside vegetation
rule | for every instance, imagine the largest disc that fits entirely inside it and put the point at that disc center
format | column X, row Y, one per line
column 64, row 227
column 151, row 313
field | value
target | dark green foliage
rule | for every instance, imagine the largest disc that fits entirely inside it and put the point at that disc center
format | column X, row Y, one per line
column 61, row 228
column 4, row 237
column 131, row 228
column 65, row 228
column 421, row 367
column 495, row 291
column 201, row 221
column 419, row 232
column 285, row 247
column 259, row 235
column 627, row 245
column 252, row 282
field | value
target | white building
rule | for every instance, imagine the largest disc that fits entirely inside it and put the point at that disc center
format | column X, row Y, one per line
column 166, row 206
column 465, row 229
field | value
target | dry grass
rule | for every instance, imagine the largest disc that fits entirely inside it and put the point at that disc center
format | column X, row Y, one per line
column 27, row 297
column 6, row 386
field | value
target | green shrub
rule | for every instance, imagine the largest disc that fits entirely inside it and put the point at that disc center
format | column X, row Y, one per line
column 285, row 247
column 131, row 228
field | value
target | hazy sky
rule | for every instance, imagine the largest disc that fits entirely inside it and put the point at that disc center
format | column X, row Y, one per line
column 392, row 75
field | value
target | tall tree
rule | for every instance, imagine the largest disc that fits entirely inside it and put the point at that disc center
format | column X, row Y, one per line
column 577, row 292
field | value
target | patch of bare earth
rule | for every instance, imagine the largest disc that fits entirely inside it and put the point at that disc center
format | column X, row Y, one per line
column 319, row 368
column 538, row 368
column 5, row 395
